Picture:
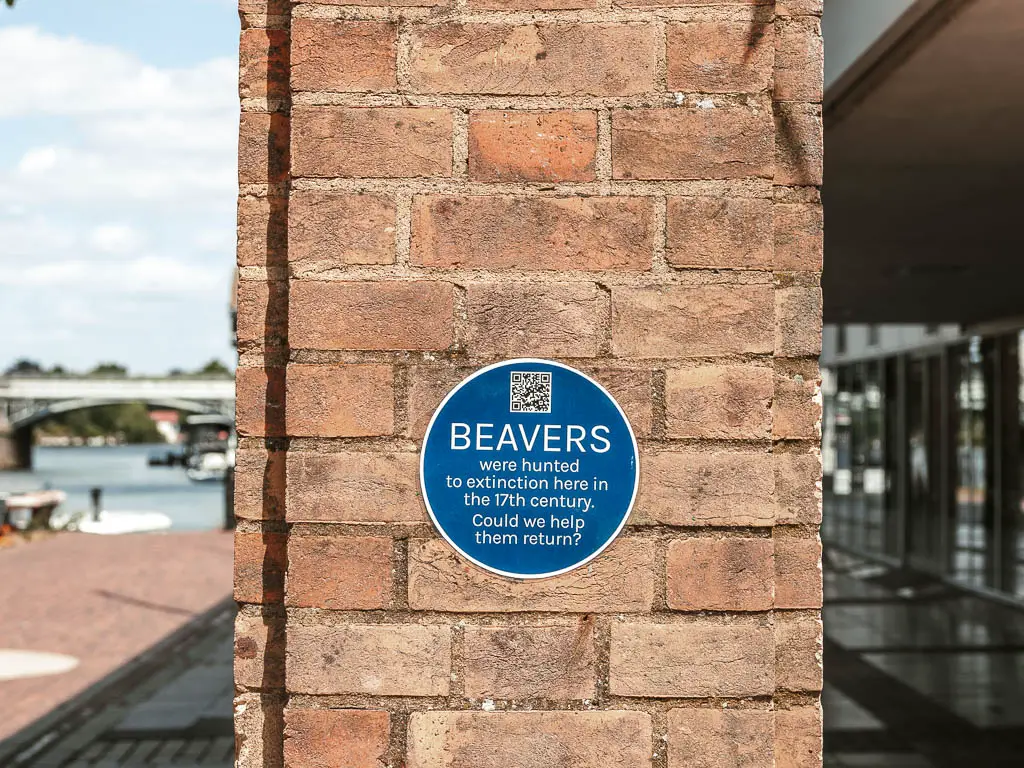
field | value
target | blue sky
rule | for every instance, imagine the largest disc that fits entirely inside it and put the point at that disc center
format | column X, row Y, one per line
column 117, row 181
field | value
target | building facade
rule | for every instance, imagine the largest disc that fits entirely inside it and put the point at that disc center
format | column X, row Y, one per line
column 921, row 449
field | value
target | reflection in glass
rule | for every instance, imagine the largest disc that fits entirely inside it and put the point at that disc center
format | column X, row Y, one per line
column 970, row 555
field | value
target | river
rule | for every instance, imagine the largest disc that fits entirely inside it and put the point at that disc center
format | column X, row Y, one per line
column 128, row 483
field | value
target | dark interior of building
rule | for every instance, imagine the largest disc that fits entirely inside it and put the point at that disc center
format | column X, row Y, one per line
column 923, row 464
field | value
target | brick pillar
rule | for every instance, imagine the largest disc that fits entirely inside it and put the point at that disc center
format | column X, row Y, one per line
column 627, row 186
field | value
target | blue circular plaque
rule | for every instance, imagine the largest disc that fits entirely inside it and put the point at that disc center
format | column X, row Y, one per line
column 529, row 468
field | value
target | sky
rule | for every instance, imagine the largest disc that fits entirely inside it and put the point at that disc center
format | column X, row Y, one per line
column 118, row 139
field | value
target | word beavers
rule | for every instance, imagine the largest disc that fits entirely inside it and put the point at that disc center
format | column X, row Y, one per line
column 551, row 438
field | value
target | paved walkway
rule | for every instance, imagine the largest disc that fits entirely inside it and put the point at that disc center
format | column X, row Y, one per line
column 170, row 708
column 918, row 675
column 102, row 600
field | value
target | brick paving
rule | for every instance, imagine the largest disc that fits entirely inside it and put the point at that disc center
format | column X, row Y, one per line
column 103, row 600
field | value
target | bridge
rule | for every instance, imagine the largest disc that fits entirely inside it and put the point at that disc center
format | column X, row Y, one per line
column 26, row 401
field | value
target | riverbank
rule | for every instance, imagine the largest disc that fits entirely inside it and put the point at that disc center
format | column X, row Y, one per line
column 102, row 600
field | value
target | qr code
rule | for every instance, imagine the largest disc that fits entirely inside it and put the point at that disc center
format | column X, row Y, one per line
column 531, row 392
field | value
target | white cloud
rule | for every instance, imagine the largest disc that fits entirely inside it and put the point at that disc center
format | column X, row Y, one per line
column 32, row 235
column 115, row 239
column 66, row 76
column 141, row 132
column 149, row 274
column 116, row 202
column 37, row 161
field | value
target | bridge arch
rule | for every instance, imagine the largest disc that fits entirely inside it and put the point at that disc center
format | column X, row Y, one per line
column 28, row 419
column 17, row 448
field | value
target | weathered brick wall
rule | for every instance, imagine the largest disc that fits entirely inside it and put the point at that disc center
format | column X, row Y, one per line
column 628, row 186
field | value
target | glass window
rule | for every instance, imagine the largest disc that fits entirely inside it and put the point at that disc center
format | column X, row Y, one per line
column 925, row 390
column 873, row 478
column 971, row 527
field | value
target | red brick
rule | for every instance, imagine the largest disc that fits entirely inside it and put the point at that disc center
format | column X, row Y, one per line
column 260, row 401
column 728, row 402
column 331, row 231
column 798, row 7
column 262, row 312
column 719, row 57
column 798, row 146
column 720, row 738
column 331, row 55
column 694, row 659
column 798, row 737
column 262, row 148
column 269, row 7
column 483, row 232
column 532, row 146
column 797, row 571
column 259, row 484
column 799, row 237
column 345, row 400
column 569, row 59
column 530, row 662
column 326, row 738
column 680, row 321
column 531, row 5
column 372, row 659
column 386, row 3
column 798, row 652
column 262, row 231
column 339, row 572
column 692, row 143
column 796, row 410
column 371, row 315
column 799, row 59
column 263, row 63
column 798, row 322
column 731, row 574
column 260, row 561
column 700, row 489
column 734, row 233
column 529, row 739
column 366, row 142
column 259, row 651
column 684, row 3
column 536, row 319
column 351, row 487
column 798, row 488
column 428, row 386
column 621, row 579
column 258, row 730
column 633, row 391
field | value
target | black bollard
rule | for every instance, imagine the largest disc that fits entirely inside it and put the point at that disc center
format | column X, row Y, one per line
column 95, row 494
column 229, row 499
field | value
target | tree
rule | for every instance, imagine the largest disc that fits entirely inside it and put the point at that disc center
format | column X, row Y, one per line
column 214, row 368
column 109, row 370
column 25, row 367
column 129, row 422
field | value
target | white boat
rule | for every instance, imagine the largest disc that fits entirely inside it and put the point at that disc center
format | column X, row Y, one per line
column 33, row 509
column 211, row 465
column 113, row 523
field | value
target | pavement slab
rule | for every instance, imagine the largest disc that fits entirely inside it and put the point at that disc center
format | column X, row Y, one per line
column 102, row 600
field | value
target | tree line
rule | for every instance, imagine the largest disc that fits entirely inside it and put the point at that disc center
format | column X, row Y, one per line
column 26, row 367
